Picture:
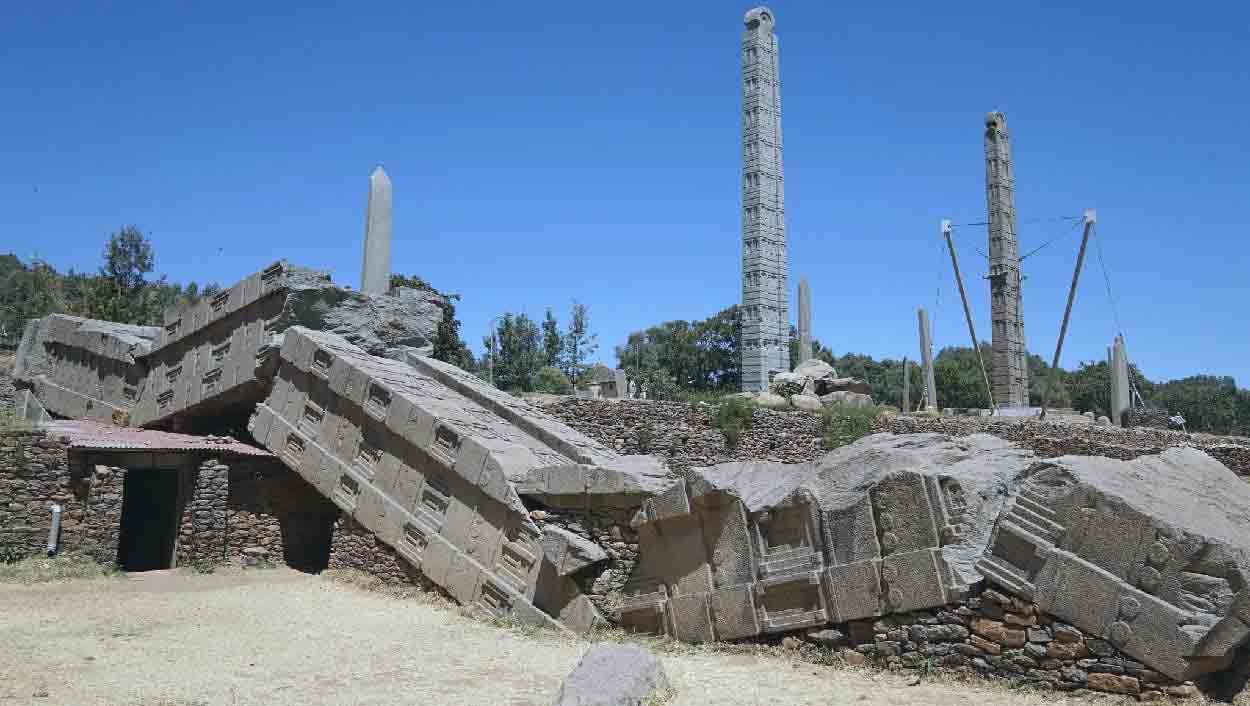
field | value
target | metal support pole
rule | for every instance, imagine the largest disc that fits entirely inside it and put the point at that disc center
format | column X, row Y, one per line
column 1091, row 216
column 976, row 346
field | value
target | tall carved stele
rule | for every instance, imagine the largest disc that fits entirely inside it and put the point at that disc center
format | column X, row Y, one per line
column 765, row 289
column 1011, row 370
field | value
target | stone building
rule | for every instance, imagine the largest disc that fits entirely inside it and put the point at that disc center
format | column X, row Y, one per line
column 148, row 499
column 765, row 288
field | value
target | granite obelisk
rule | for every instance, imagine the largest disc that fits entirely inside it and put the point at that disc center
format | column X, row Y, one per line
column 805, row 322
column 375, row 272
column 926, row 360
column 1011, row 369
column 765, row 288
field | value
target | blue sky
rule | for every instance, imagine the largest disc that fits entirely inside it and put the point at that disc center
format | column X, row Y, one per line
column 546, row 152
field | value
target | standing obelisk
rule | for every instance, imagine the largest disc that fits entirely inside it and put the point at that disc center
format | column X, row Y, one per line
column 805, row 321
column 765, row 289
column 375, row 272
column 1011, row 368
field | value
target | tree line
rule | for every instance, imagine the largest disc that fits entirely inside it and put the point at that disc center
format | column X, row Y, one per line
column 524, row 355
column 684, row 360
column 121, row 290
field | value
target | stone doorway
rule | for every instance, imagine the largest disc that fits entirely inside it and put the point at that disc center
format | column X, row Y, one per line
column 149, row 524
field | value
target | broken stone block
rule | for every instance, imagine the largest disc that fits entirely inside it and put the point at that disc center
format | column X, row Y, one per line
column 613, row 675
column 888, row 524
column 218, row 356
column 569, row 553
column 1149, row 554
column 429, row 470
column 84, row 368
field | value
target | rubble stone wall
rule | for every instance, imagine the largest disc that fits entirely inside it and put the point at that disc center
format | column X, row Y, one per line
column 1001, row 637
column 685, row 436
column 354, row 547
column 253, row 508
column 34, row 473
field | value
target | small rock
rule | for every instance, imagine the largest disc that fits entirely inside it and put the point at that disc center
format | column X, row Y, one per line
column 984, row 645
column 791, row 642
column 1113, row 683
column 853, row 658
column 998, row 632
column 1067, row 650
column 1182, row 691
column 1066, row 633
column 1039, row 635
column 827, row 637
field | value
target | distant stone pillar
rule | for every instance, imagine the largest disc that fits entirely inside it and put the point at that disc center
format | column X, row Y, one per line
column 906, row 386
column 805, row 322
column 375, row 272
column 1120, row 400
column 621, row 384
column 926, row 360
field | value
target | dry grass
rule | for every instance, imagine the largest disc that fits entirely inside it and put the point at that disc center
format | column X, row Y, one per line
column 63, row 567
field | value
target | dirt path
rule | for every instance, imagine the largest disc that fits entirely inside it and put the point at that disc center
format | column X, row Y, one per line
column 279, row 637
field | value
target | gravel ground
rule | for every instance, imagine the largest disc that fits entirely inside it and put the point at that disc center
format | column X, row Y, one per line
column 277, row 637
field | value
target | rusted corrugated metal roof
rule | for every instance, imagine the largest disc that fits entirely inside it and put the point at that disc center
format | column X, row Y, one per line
column 89, row 435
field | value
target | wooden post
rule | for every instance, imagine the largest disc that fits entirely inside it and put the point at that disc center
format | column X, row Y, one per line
column 1091, row 216
column 906, row 385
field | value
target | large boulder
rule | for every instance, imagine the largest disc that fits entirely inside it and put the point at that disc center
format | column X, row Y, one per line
column 807, row 403
column 613, row 675
column 819, row 378
column 852, row 399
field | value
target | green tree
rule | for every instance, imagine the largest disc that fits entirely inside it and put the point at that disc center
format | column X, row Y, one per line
column 515, row 353
column 693, row 357
column 553, row 341
column 25, row 293
column 552, row 380
column 579, row 342
column 121, row 292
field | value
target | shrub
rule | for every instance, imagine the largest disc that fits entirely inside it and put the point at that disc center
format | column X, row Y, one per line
column 733, row 417
column 645, row 436
column 844, row 424
column 551, row 380
column 62, row 567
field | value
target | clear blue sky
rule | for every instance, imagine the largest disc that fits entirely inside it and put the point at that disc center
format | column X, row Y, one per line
column 552, row 151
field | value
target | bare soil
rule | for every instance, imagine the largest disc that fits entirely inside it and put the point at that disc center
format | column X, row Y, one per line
column 272, row 637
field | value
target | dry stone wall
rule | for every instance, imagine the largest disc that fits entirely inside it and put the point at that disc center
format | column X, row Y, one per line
column 34, row 473
column 685, row 436
column 1051, row 439
column 1003, row 637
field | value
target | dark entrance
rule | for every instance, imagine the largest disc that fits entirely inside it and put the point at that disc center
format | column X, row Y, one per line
column 149, row 519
